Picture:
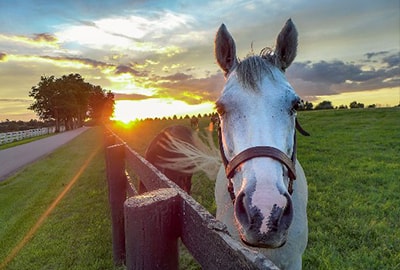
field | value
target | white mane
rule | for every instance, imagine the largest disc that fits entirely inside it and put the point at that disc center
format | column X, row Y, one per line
column 202, row 156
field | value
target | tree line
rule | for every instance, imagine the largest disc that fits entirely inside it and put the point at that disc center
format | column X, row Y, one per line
column 69, row 101
column 326, row 105
column 10, row 126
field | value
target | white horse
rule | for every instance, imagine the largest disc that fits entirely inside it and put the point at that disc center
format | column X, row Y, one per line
column 263, row 206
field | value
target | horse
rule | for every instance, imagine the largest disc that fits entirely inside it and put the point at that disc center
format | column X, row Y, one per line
column 261, row 189
column 194, row 122
column 178, row 152
column 157, row 154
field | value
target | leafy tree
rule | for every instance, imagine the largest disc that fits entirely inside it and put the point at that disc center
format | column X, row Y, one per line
column 355, row 105
column 101, row 104
column 324, row 105
column 68, row 100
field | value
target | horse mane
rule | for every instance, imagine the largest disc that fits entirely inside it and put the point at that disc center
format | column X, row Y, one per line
column 202, row 155
column 251, row 70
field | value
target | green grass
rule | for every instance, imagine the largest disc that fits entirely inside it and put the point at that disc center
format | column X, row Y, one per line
column 351, row 162
column 77, row 234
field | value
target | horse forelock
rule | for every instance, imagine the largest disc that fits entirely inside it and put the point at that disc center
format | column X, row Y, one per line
column 253, row 68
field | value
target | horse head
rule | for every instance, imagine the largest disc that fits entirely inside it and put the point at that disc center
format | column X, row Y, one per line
column 257, row 110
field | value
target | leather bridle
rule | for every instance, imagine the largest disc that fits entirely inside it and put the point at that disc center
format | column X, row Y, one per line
column 260, row 151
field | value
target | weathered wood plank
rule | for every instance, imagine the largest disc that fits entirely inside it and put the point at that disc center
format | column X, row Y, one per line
column 116, row 180
column 152, row 228
column 211, row 245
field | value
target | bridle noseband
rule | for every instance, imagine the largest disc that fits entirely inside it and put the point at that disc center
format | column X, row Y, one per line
column 260, row 151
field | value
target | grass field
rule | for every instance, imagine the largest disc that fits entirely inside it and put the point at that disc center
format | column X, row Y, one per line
column 76, row 234
column 352, row 164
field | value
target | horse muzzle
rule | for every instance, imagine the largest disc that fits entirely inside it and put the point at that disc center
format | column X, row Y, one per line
column 259, row 230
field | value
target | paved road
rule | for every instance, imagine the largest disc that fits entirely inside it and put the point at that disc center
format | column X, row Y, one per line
column 14, row 158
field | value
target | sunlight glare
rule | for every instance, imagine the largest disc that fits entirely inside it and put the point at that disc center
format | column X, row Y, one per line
column 130, row 110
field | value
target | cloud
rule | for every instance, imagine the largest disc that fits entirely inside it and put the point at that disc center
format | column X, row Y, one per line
column 120, row 69
column 84, row 61
column 121, row 96
column 188, row 88
column 143, row 30
column 392, row 60
column 373, row 54
column 3, row 57
column 333, row 77
column 37, row 40
column 44, row 37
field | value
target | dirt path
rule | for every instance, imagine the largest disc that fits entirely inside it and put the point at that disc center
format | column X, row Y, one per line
column 14, row 158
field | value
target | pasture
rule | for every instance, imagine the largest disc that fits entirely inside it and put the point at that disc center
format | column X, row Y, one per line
column 351, row 162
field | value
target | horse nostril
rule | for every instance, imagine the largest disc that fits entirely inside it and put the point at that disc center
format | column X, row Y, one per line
column 281, row 217
column 287, row 215
column 241, row 209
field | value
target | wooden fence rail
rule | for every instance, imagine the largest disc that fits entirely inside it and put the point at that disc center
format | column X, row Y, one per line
column 146, row 227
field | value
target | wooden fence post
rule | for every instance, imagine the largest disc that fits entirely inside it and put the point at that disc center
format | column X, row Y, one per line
column 152, row 226
column 116, row 179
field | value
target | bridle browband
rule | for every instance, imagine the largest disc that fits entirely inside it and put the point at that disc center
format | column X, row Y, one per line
column 260, row 151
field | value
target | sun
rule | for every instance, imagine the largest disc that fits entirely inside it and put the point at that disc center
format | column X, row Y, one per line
column 130, row 110
column 122, row 112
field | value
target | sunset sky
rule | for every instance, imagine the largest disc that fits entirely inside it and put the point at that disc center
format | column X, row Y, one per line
column 157, row 56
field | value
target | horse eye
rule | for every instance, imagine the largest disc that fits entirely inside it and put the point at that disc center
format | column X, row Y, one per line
column 220, row 109
column 296, row 105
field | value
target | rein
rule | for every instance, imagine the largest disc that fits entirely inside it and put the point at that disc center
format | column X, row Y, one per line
column 260, row 151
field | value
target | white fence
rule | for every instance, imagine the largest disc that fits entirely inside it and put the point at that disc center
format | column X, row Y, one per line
column 9, row 137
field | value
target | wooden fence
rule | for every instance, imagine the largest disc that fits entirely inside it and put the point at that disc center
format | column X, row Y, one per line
column 146, row 227
column 9, row 137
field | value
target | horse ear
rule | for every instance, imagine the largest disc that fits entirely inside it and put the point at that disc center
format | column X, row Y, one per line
column 286, row 45
column 225, row 49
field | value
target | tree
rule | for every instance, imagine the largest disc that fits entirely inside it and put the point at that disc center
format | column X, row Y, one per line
column 101, row 104
column 68, row 100
column 355, row 105
column 46, row 101
column 324, row 105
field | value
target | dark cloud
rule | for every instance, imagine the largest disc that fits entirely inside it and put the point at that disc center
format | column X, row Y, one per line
column 127, row 69
column 373, row 54
column 87, row 61
column 178, row 77
column 3, row 56
column 333, row 77
column 121, row 96
column 44, row 37
column 190, row 89
column 326, row 72
column 392, row 60
column 87, row 23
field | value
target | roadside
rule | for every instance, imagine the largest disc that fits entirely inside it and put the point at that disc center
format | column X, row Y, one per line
column 15, row 158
